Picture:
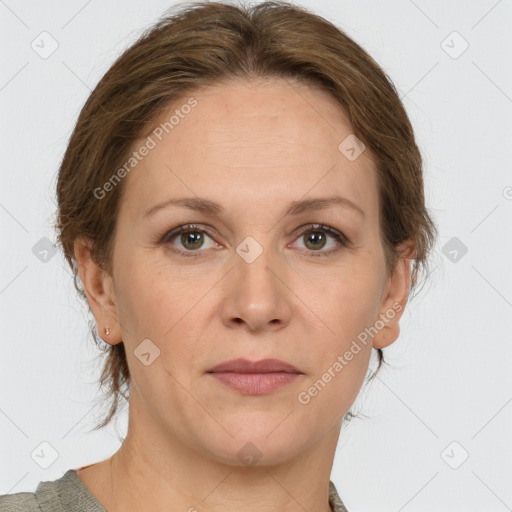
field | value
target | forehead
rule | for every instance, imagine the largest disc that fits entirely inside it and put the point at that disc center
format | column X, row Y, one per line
column 248, row 143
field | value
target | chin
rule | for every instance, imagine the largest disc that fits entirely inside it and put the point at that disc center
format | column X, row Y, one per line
column 265, row 444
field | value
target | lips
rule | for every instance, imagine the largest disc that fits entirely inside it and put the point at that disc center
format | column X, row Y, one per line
column 255, row 377
column 245, row 366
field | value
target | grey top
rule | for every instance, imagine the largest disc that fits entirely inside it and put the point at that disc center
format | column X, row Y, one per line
column 69, row 494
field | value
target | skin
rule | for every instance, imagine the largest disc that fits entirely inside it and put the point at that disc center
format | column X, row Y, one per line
column 253, row 147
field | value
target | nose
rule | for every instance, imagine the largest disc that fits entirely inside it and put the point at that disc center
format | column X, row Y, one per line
column 256, row 295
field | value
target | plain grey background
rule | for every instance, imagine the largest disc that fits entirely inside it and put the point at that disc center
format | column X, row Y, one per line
column 437, row 432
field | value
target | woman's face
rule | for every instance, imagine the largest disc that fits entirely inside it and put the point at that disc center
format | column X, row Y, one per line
column 255, row 277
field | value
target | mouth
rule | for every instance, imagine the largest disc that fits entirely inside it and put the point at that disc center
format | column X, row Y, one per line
column 255, row 377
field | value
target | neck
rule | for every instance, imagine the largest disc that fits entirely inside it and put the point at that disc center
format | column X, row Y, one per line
column 153, row 470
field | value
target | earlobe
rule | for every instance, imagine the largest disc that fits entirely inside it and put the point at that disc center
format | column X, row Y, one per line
column 97, row 284
column 394, row 300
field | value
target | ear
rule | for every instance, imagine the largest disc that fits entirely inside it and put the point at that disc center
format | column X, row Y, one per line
column 98, row 287
column 394, row 298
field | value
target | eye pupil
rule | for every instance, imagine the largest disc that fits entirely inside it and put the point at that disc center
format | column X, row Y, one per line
column 316, row 236
column 192, row 237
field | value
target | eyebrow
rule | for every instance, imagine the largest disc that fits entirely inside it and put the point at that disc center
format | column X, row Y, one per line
column 295, row 208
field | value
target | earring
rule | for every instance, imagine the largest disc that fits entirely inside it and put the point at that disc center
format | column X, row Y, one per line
column 107, row 331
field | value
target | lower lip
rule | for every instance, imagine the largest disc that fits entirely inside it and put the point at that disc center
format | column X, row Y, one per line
column 256, row 383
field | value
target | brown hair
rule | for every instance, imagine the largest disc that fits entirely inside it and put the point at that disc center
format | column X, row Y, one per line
column 204, row 43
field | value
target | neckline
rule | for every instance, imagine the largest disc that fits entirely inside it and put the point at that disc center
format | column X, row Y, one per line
column 335, row 503
column 72, row 475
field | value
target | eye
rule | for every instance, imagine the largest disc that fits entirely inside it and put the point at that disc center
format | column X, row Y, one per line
column 316, row 238
column 191, row 237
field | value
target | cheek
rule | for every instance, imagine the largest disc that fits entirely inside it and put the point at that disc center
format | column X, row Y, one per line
column 148, row 300
column 163, row 306
column 341, row 357
column 330, row 392
column 348, row 303
column 346, row 299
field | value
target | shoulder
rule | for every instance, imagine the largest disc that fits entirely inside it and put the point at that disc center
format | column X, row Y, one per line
column 335, row 501
column 65, row 494
column 19, row 502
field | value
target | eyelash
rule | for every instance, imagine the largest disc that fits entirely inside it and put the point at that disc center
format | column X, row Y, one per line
column 310, row 228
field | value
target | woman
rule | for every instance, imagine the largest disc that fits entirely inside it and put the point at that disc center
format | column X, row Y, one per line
column 241, row 200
